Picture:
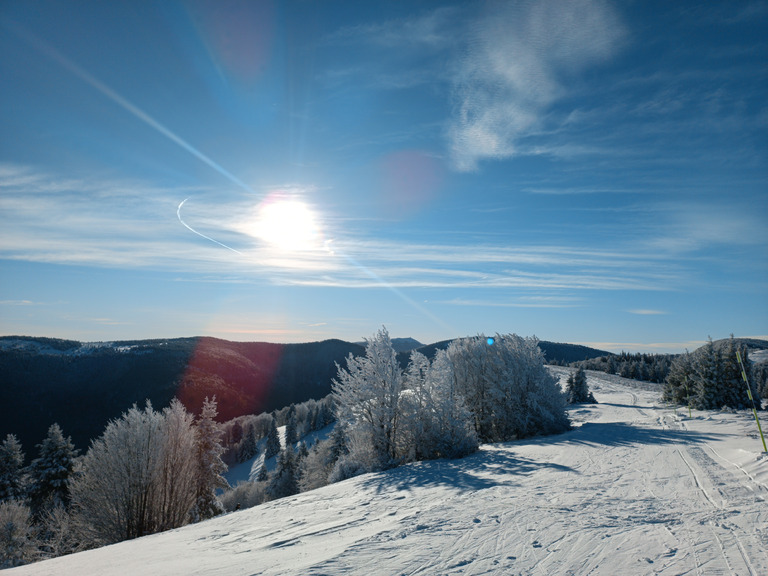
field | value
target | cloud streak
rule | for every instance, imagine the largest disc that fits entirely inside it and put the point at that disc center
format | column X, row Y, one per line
column 518, row 60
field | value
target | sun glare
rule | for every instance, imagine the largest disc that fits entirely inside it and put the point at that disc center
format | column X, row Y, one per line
column 288, row 225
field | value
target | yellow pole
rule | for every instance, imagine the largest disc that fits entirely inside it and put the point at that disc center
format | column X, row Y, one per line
column 749, row 393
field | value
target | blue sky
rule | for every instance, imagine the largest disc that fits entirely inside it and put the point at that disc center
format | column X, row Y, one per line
column 582, row 171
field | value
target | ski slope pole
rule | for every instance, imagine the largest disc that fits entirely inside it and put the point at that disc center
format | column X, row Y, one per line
column 749, row 393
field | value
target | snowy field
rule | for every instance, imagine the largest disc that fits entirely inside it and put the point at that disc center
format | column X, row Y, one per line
column 635, row 488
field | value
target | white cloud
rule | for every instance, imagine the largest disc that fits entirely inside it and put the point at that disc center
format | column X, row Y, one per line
column 518, row 58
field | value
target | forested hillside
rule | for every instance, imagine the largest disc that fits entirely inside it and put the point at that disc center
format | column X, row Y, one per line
column 82, row 386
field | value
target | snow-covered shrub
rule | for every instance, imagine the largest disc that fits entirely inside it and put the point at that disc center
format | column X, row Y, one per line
column 17, row 542
column 244, row 495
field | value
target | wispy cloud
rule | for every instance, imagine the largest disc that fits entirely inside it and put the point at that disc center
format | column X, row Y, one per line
column 133, row 226
column 646, row 312
column 517, row 58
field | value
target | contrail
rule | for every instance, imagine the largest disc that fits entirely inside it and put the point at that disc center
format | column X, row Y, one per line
column 44, row 48
column 188, row 227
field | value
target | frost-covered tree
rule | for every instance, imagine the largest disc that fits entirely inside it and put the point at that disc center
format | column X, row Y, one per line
column 50, row 472
column 367, row 394
column 210, row 467
column 577, row 390
column 434, row 418
column 139, row 477
column 273, row 446
column 507, row 387
column 451, row 433
column 17, row 540
column 11, row 469
column 178, row 473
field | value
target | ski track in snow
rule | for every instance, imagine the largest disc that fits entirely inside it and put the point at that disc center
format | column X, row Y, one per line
column 636, row 488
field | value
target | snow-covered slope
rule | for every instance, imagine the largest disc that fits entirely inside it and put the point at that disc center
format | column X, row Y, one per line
column 636, row 488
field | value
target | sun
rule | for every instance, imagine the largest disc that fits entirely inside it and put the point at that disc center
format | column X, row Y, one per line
column 287, row 224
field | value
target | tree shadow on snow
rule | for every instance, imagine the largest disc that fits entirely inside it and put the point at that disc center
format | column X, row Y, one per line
column 625, row 434
column 492, row 466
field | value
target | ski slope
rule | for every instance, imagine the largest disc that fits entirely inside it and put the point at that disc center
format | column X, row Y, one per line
column 636, row 488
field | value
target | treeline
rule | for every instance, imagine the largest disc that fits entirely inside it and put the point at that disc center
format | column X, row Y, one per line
column 476, row 390
column 149, row 471
column 647, row 367
column 711, row 378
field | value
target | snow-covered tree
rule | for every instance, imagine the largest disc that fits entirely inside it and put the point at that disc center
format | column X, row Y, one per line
column 577, row 390
column 177, row 476
column 291, row 427
column 507, row 387
column 273, row 445
column 451, row 433
column 367, row 394
column 248, row 445
column 17, row 541
column 51, row 471
column 139, row 477
column 283, row 481
column 11, row 469
column 210, row 467
column 434, row 418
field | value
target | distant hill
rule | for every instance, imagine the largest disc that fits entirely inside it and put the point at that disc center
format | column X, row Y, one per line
column 401, row 344
column 554, row 352
column 84, row 385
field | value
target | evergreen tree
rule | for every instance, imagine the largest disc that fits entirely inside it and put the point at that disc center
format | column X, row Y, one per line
column 284, row 480
column 291, row 432
column 248, row 446
column 263, row 474
column 50, row 472
column 210, row 467
column 11, row 468
column 273, row 446
column 577, row 390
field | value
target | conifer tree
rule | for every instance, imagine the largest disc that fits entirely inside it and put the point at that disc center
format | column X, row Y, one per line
column 577, row 390
column 248, row 446
column 210, row 467
column 273, row 446
column 284, row 480
column 291, row 428
column 11, row 469
column 50, row 472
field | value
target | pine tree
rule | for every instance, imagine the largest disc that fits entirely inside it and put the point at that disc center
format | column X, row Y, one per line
column 284, row 479
column 11, row 469
column 17, row 541
column 291, row 432
column 577, row 390
column 248, row 446
column 210, row 467
column 273, row 446
column 50, row 472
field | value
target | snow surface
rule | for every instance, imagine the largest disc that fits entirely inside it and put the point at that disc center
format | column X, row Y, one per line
column 636, row 488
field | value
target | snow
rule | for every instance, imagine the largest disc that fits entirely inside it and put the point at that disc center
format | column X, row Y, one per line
column 636, row 487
